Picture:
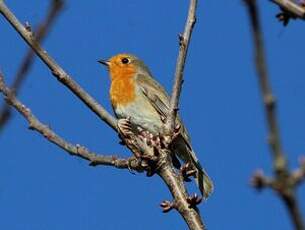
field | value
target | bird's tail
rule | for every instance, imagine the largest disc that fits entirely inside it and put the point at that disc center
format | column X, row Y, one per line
column 202, row 179
column 185, row 153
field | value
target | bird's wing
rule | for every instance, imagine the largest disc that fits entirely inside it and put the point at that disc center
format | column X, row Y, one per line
column 155, row 93
column 159, row 99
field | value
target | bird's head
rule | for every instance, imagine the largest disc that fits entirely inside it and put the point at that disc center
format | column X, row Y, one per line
column 124, row 66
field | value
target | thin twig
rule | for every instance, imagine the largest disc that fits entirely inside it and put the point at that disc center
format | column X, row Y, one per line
column 280, row 163
column 28, row 60
column 291, row 9
column 56, row 70
column 284, row 182
column 184, row 41
column 74, row 150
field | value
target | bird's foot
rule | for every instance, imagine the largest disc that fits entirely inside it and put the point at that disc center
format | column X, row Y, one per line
column 194, row 200
column 149, row 161
column 187, row 171
column 130, row 162
column 127, row 135
column 130, row 136
column 124, row 126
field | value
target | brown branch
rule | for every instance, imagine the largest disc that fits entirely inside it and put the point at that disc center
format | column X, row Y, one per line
column 292, row 7
column 74, row 150
column 181, row 202
column 56, row 70
column 290, row 10
column 280, row 162
column 184, row 41
column 284, row 182
column 185, row 205
column 42, row 30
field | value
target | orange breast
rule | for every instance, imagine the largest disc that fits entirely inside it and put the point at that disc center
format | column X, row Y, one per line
column 122, row 90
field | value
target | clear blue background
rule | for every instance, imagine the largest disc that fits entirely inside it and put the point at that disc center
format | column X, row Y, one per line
column 42, row 187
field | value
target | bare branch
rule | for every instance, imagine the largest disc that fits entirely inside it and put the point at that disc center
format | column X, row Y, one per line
column 177, row 188
column 164, row 166
column 291, row 9
column 42, row 30
column 56, row 70
column 74, row 150
column 184, row 41
column 280, row 163
column 284, row 182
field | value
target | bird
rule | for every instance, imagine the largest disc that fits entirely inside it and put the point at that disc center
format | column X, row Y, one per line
column 136, row 95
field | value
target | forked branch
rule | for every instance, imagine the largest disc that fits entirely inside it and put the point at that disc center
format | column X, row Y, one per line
column 284, row 181
column 74, row 150
column 56, row 69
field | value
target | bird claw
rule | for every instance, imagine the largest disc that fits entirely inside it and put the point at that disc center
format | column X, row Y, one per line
column 149, row 162
column 194, row 200
column 127, row 133
column 129, row 166
column 125, row 128
column 187, row 171
column 166, row 206
column 149, row 158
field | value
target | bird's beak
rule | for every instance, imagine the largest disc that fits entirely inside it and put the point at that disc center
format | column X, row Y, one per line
column 104, row 62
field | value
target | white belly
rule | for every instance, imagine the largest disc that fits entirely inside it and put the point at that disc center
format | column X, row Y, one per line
column 142, row 113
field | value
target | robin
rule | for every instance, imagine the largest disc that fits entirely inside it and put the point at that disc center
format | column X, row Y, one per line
column 135, row 95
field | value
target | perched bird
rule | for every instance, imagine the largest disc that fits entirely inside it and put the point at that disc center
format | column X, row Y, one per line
column 136, row 95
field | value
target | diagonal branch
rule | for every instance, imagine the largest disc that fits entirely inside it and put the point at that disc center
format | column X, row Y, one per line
column 184, row 41
column 284, row 182
column 291, row 9
column 56, row 70
column 28, row 60
column 74, row 150
column 296, row 9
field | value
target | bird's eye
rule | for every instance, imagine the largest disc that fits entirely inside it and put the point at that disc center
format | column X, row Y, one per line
column 125, row 60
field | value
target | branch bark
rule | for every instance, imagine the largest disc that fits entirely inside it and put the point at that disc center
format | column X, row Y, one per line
column 184, row 41
column 290, row 9
column 74, row 150
column 296, row 10
column 56, row 69
column 42, row 30
column 189, row 213
column 284, row 182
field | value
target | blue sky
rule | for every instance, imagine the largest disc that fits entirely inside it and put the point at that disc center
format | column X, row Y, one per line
column 42, row 188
